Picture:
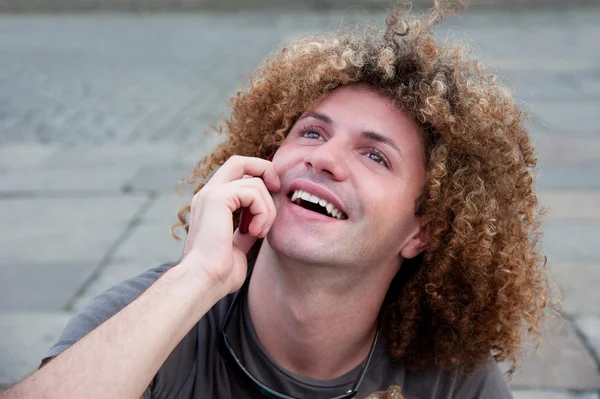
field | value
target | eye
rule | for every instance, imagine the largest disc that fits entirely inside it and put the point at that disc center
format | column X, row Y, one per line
column 311, row 135
column 311, row 132
column 378, row 157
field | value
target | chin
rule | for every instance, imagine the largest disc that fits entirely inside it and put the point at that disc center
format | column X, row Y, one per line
column 301, row 249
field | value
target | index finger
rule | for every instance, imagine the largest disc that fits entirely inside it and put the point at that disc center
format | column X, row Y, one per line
column 237, row 166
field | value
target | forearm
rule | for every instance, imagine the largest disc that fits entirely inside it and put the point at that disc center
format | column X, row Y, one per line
column 120, row 357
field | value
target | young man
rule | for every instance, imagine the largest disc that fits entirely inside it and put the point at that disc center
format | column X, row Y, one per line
column 393, row 241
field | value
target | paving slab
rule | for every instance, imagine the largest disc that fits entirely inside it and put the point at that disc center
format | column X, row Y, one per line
column 166, row 79
column 25, row 338
column 577, row 284
column 576, row 117
column 162, row 179
column 149, row 244
column 532, row 85
column 571, row 241
column 68, row 179
column 195, row 148
column 42, row 286
column 571, row 205
column 581, row 176
column 589, row 81
column 20, row 155
column 589, row 326
column 114, row 154
column 562, row 361
column 50, row 246
column 566, row 148
column 163, row 210
column 574, row 281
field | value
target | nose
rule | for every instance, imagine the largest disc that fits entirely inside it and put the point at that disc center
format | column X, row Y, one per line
column 329, row 158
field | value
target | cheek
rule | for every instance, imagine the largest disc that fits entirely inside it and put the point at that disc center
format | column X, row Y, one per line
column 377, row 207
column 286, row 157
column 390, row 210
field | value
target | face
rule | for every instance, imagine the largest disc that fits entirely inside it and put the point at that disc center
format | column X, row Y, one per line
column 356, row 153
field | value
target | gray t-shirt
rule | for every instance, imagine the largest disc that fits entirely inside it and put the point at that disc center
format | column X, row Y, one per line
column 196, row 368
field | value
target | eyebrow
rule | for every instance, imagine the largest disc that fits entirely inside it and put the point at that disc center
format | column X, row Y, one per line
column 369, row 135
column 316, row 115
column 373, row 136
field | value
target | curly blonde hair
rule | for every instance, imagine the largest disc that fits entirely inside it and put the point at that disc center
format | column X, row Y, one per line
column 482, row 280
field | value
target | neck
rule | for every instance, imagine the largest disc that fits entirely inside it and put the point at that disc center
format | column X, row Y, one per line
column 315, row 321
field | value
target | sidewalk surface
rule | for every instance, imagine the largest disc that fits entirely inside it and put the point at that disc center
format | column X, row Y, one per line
column 101, row 114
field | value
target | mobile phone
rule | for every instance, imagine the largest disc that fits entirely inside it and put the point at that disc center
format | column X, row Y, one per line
column 245, row 219
column 245, row 215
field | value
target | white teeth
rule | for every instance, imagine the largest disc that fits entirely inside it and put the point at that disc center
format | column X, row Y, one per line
column 296, row 195
column 332, row 210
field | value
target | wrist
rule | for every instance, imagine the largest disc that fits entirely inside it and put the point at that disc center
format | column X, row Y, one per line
column 194, row 273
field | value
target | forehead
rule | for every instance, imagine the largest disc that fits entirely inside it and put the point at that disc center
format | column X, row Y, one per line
column 358, row 108
column 365, row 103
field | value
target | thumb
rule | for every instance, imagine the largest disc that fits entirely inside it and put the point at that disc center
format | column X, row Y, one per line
column 243, row 241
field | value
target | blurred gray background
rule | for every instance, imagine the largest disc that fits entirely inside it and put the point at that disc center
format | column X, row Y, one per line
column 104, row 105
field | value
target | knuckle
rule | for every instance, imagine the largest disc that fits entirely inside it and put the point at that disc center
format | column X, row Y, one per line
column 257, row 182
column 236, row 159
column 207, row 194
column 253, row 183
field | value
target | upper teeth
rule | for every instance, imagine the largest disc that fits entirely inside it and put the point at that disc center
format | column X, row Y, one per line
column 332, row 210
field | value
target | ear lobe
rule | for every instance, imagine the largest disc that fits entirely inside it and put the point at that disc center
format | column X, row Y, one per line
column 419, row 241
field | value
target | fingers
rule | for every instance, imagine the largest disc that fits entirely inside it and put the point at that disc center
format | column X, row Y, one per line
column 269, row 216
column 251, row 193
column 237, row 166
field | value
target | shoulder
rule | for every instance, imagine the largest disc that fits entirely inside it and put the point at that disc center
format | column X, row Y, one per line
column 486, row 382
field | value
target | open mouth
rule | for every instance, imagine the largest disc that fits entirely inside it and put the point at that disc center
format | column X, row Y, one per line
column 313, row 203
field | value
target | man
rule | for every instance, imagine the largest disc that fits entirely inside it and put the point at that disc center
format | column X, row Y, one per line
column 392, row 243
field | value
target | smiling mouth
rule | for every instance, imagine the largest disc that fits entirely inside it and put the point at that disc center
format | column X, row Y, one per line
column 313, row 203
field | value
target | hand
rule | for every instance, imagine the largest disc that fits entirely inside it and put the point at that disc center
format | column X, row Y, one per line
column 212, row 246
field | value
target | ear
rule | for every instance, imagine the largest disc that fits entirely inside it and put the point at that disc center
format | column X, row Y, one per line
column 419, row 240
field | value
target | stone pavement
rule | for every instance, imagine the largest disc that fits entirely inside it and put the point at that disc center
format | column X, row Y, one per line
column 101, row 114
